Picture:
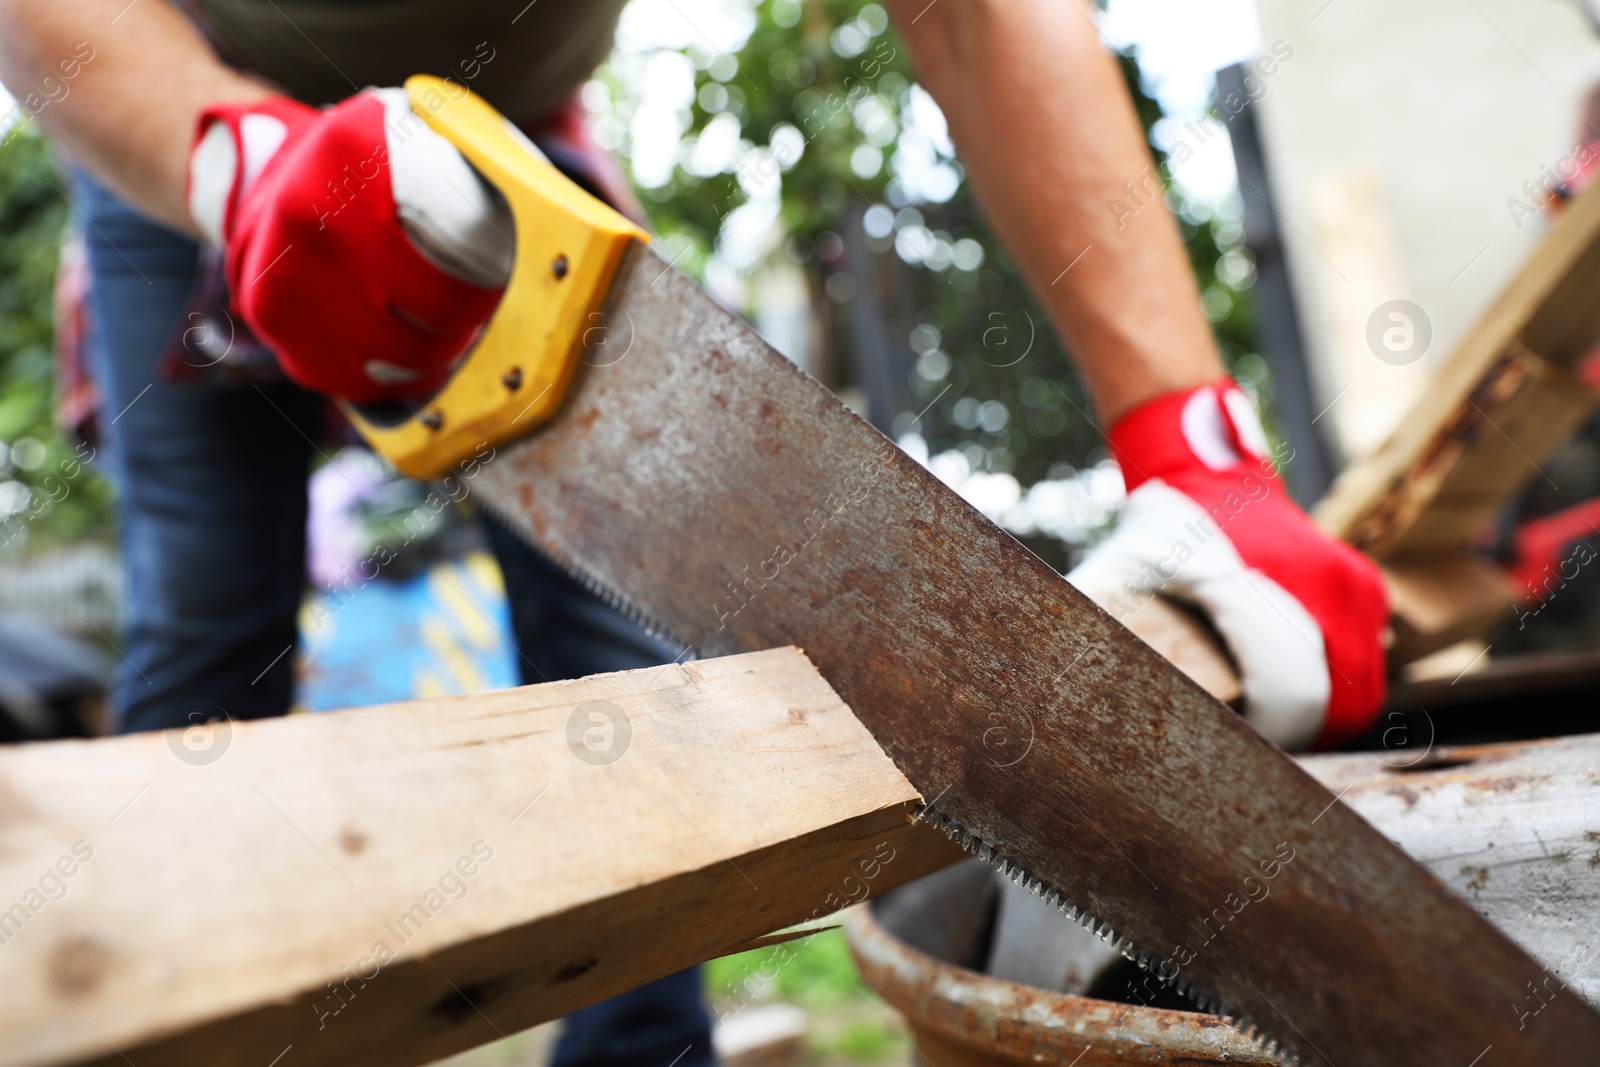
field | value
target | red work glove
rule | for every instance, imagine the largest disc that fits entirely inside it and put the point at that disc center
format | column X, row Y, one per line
column 360, row 246
column 1208, row 523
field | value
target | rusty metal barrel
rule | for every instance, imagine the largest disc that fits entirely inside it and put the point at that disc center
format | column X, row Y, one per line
column 963, row 1018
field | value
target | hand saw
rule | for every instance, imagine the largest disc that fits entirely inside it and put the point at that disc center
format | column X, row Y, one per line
column 700, row 481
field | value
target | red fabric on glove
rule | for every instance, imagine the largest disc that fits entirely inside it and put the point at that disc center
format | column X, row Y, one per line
column 1215, row 454
column 320, row 268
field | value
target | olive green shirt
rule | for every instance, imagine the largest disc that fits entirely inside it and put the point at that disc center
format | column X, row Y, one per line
column 523, row 57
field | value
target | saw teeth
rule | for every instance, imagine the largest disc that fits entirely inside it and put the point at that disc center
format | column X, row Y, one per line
column 971, row 842
column 1272, row 1046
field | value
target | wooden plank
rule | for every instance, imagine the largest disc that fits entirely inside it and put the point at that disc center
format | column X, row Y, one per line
column 1438, row 602
column 1500, row 405
column 1511, row 827
column 392, row 885
column 1499, row 433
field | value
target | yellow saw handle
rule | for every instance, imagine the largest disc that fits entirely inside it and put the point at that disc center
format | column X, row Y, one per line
column 568, row 248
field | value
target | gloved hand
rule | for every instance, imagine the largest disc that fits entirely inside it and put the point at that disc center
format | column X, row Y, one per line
column 1208, row 523
column 360, row 246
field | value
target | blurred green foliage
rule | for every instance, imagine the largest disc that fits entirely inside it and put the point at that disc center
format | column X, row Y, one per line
column 864, row 1041
column 823, row 89
column 816, row 69
column 833, row 139
column 47, row 496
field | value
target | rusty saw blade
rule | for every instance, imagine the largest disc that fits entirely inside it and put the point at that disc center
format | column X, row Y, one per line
column 700, row 480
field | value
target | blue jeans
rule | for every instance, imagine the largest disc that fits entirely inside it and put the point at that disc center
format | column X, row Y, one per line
column 212, row 493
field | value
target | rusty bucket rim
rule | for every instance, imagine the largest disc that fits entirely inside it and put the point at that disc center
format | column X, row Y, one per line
column 1018, row 1023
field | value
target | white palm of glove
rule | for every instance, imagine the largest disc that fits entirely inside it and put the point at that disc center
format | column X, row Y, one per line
column 451, row 215
column 1166, row 544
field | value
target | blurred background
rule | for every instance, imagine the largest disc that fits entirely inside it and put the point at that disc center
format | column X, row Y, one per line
column 1322, row 157
column 790, row 162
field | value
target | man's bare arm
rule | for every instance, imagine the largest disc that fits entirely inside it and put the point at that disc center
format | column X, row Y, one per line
column 128, row 114
column 1048, row 134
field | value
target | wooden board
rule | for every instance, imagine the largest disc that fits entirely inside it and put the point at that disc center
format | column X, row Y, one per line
column 1438, row 602
column 1500, row 405
column 1511, row 827
column 1510, row 395
column 392, row 885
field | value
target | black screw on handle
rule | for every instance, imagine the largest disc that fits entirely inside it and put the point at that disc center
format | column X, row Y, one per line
column 559, row 267
column 512, row 379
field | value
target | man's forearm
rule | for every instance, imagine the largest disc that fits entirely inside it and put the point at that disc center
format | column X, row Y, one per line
column 1048, row 135
column 128, row 113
